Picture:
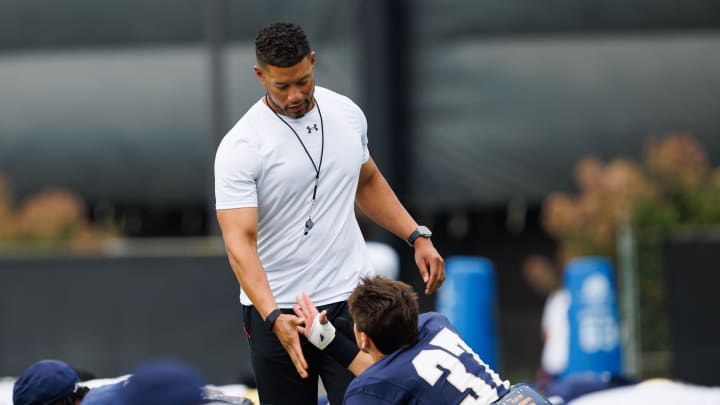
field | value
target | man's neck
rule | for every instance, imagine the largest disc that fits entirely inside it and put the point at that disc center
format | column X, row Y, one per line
column 375, row 354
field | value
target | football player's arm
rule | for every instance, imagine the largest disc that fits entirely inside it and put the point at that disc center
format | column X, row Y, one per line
column 239, row 231
column 378, row 201
column 321, row 333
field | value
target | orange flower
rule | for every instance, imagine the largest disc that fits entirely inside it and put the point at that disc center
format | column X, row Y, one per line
column 624, row 184
column 588, row 173
column 677, row 161
column 560, row 214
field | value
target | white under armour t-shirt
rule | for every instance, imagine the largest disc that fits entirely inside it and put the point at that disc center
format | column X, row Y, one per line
column 261, row 163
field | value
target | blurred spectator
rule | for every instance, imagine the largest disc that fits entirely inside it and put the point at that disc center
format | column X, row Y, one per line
column 164, row 382
column 48, row 382
column 552, row 380
column 54, row 382
column 107, row 394
column 544, row 277
column 168, row 382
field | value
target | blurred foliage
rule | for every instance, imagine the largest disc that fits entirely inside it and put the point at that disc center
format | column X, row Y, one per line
column 674, row 188
column 51, row 220
column 586, row 224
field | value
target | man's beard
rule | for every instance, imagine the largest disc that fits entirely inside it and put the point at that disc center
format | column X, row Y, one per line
column 286, row 111
column 294, row 114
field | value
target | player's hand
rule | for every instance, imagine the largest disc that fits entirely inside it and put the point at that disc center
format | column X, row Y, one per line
column 316, row 327
column 305, row 310
column 430, row 264
column 285, row 328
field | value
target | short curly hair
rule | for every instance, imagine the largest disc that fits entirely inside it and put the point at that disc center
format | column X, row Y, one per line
column 387, row 311
column 281, row 44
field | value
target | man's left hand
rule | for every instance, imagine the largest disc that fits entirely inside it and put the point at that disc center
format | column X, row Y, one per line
column 430, row 264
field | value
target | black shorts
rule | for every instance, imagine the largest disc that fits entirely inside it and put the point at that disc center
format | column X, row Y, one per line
column 278, row 382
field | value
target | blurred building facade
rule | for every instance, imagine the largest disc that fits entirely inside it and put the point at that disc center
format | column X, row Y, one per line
column 482, row 103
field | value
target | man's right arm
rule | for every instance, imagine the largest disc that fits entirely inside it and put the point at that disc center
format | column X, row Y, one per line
column 239, row 230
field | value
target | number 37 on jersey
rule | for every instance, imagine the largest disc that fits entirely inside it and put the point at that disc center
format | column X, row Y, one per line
column 449, row 357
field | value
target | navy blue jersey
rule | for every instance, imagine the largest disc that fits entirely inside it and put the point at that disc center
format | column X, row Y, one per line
column 439, row 369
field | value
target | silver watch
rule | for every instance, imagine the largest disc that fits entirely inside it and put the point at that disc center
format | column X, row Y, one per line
column 421, row 230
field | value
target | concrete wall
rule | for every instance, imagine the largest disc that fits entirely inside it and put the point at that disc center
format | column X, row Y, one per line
column 108, row 314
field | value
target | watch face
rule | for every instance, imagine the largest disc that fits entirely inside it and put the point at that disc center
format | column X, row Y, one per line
column 421, row 231
column 424, row 231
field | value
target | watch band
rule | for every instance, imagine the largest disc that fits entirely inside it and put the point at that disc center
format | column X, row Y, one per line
column 420, row 231
column 270, row 319
column 413, row 237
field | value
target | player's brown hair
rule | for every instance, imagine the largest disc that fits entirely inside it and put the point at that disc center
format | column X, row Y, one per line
column 387, row 311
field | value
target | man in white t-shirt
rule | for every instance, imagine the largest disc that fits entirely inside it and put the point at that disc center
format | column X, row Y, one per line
column 287, row 177
column 544, row 278
column 556, row 332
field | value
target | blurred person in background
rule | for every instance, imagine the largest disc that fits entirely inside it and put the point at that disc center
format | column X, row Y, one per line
column 287, row 176
column 48, row 382
column 106, row 394
column 407, row 357
column 551, row 379
column 163, row 382
column 160, row 382
column 545, row 279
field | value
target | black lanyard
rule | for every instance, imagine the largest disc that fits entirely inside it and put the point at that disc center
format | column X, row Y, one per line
column 309, row 223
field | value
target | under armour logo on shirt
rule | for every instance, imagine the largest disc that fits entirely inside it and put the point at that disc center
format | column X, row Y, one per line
column 314, row 127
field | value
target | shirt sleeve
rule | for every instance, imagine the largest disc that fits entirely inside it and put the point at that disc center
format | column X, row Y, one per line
column 366, row 150
column 237, row 168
